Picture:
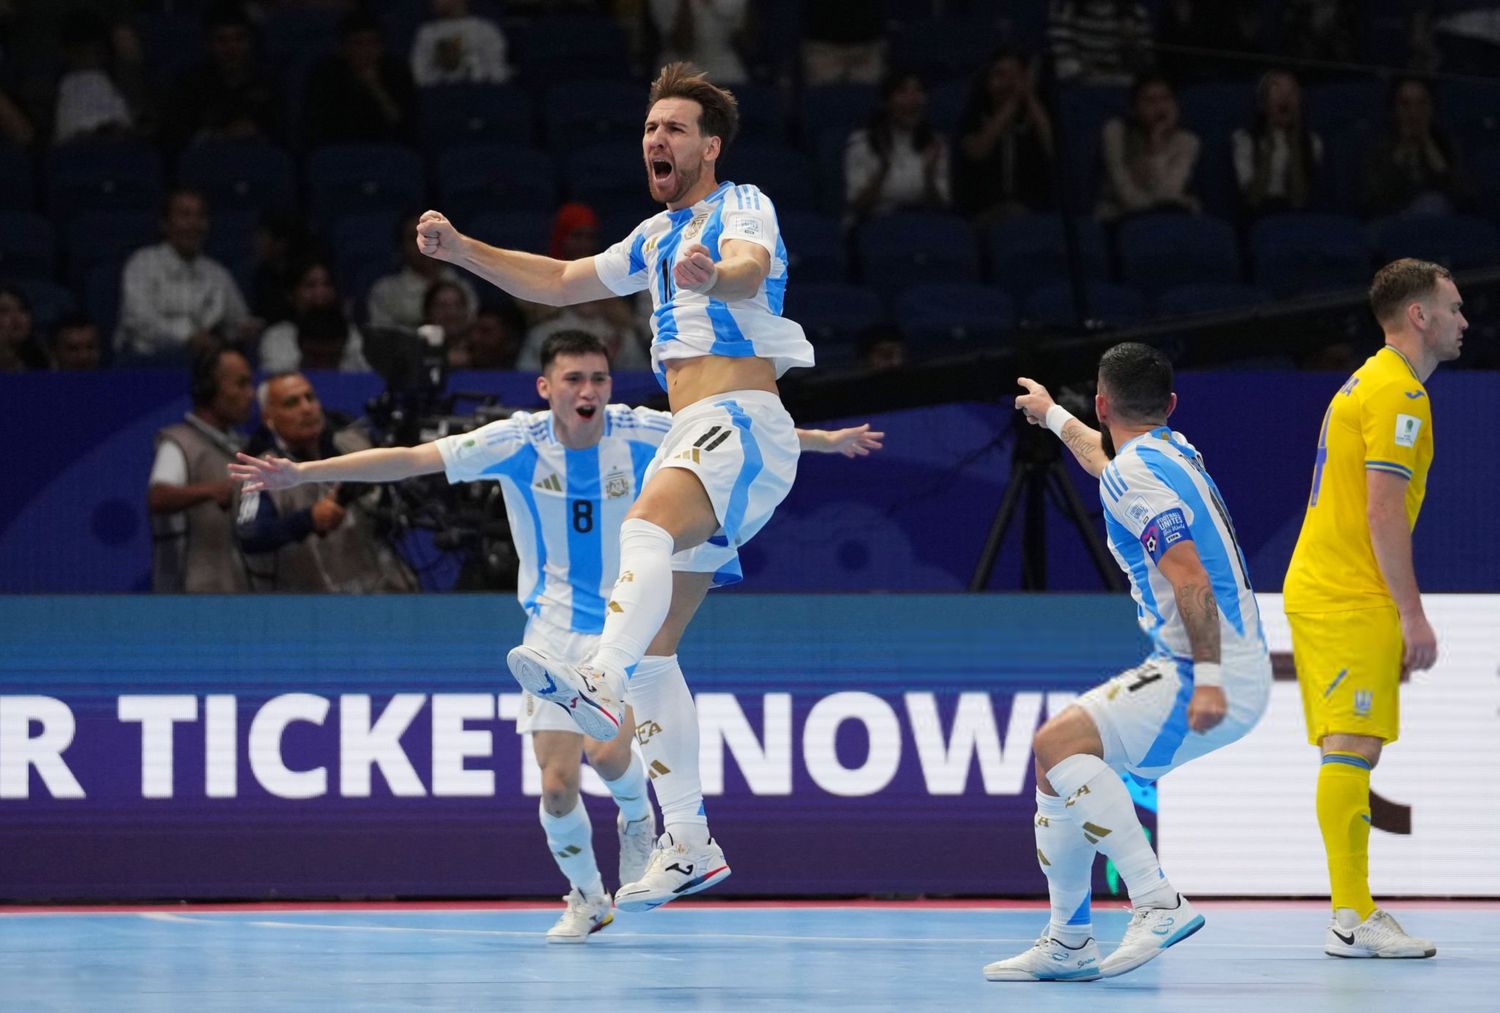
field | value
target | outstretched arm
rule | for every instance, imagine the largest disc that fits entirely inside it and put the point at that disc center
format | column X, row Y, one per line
column 379, row 464
column 524, row 275
column 856, row 441
column 1083, row 441
column 1200, row 615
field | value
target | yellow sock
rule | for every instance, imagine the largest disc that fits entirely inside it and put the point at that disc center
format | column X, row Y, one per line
column 1344, row 818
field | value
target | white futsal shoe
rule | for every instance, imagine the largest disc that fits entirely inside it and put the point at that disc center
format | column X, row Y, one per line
column 1048, row 960
column 593, row 698
column 1379, row 935
column 637, row 841
column 1151, row 930
column 675, row 870
column 581, row 918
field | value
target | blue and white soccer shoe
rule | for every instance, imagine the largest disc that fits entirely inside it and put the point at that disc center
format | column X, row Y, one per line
column 675, row 870
column 1048, row 960
column 593, row 698
column 1151, row 931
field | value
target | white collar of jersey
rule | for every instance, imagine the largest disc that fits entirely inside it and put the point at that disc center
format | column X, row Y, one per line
column 687, row 212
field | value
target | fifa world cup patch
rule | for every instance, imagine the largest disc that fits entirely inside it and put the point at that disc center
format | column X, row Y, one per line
column 1408, row 427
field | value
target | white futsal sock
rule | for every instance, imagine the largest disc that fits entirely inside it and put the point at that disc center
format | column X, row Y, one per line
column 629, row 790
column 570, row 838
column 641, row 596
column 666, row 726
column 1108, row 821
column 1067, row 860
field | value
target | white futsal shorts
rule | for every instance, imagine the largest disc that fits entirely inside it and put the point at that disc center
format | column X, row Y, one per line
column 743, row 447
column 538, row 715
column 1141, row 713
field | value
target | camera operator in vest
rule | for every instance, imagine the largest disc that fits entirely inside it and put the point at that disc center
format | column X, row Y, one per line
column 312, row 538
column 190, row 492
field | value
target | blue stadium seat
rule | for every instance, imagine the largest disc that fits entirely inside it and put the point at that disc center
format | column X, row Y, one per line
column 1484, row 171
column 835, row 108
column 171, row 42
column 1208, row 297
column 240, row 174
column 101, row 298
column 829, row 158
column 514, row 230
column 1297, row 253
column 50, row 302
column 28, row 245
column 591, row 111
column 344, row 179
column 1028, row 251
column 231, row 241
column 1457, row 241
column 475, row 178
column 474, row 113
column 96, row 237
column 366, row 238
column 295, row 35
column 833, row 315
column 609, row 176
column 102, row 176
column 911, row 247
column 1110, row 305
column 1083, row 111
column 17, row 182
column 761, row 115
column 782, row 172
column 944, row 47
column 1333, row 108
column 814, row 245
column 945, row 107
column 1158, row 251
column 1341, row 183
column 954, row 317
column 563, row 46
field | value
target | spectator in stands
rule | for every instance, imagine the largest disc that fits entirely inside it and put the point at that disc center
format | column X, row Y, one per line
column 20, row 348
column 175, row 301
column 843, row 42
column 230, row 94
column 1276, row 161
column 331, row 342
column 1327, row 31
column 396, row 300
column 102, row 90
column 361, row 94
column 190, row 490
column 881, row 348
column 281, row 243
column 614, row 321
column 1099, row 42
column 1214, row 27
column 1148, row 156
column 313, row 538
column 75, row 343
column 1004, row 162
column 446, row 305
column 1414, row 167
column 705, row 32
column 458, row 46
column 495, row 339
column 898, row 160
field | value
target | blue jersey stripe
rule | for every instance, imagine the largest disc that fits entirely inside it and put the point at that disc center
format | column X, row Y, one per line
column 1395, row 466
column 1175, row 728
column 729, row 340
column 641, row 455
column 638, row 253
column 776, row 283
column 519, row 468
column 585, row 547
column 739, row 496
column 1134, row 554
column 1211, row 548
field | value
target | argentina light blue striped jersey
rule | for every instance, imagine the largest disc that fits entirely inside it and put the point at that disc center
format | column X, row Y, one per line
column 565, row 506
column 1157, row 493
column 688, row 324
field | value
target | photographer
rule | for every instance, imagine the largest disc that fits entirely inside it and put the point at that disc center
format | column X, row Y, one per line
column 318, row 537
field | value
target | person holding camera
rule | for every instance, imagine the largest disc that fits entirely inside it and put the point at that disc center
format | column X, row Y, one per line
column 319, row 538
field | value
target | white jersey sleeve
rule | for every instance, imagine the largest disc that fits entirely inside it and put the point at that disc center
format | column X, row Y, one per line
column 750, row 215
column 1144, row 505
column 639, row 425
column 471, row 456
column 622, row 267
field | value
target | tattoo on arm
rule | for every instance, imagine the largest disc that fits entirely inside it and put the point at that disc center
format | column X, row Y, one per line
column 1084, row 444
column 1200, row 614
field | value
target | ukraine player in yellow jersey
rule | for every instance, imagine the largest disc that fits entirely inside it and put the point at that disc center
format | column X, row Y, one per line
column 1351, row 591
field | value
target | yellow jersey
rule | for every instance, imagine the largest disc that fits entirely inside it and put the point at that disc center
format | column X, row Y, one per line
column 1380, row 420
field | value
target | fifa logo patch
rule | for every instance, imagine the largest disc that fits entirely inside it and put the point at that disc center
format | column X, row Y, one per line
column 1407, row 429
column 1364, row 700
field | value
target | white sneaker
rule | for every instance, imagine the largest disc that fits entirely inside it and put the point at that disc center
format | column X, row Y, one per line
column 637, row 841
column 593, row 698
column 1048, row 960
column 675, row 870
column 1379, row 935
column 1151, row 930
column 581, row 918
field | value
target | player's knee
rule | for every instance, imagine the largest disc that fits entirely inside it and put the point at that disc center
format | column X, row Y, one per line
column 1050, row 744
column 559, row 791
column 610, row 759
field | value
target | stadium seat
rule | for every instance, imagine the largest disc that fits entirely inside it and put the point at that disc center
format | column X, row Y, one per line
column 240, row 174
column 49, row 301
column 834, row 108
column 96, row 237
column 1209, row 297
column 368, row 237
column 954, row 317
column 781, row 172
column 1108, row 305
column 591, row 111
column 101, row 298
column 474, row 113
column 171, row 41
column 102, row 176
column 295, row 35
column 475, row 178
column 17, row 182
column 814, row 245
column 231, row 241
column 1217, row 108
column 1457, row 241
column 945, row 107
column 1029, row 251
column 1333, row 108
column 609, row 176
column 1083, row 111
column 833, row 315
column 28, row 246
column 1297, row 253
column 761, row 115
column 514, row 230
column 560, row 47
column 911, row 247
column 944, row 47
column 348, row 178
column 1159, row 251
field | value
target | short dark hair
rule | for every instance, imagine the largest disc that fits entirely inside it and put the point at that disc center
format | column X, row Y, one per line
column 182, row 191
column 73, row 321
column 1399, row 282
column 571, row 342
column 721, row 113
column 1139, row 381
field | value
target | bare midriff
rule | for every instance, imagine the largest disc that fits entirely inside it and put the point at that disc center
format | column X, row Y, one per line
column 692, row 380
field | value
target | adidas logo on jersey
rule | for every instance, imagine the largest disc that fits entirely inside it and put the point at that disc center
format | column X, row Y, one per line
column 551, row 483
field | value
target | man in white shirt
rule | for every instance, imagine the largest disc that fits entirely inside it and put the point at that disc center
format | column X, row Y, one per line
column 174, row 300
column 457, row 47
column 396, row 300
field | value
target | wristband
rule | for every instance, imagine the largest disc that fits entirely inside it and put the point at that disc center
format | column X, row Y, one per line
column 1057, row 417
column 1207, row 673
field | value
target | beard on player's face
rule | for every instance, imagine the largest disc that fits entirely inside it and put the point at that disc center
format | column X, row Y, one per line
column 1106, row 441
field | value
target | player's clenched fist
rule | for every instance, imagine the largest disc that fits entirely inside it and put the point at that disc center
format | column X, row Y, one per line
column 695, row 269
column 436, row 236
column 1034, row 402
